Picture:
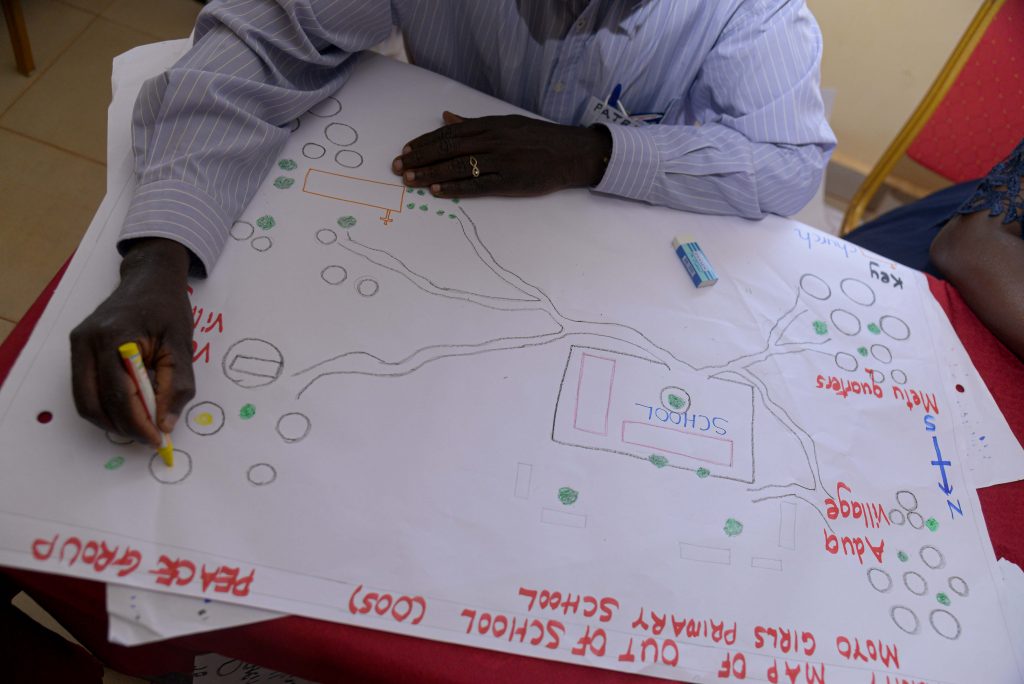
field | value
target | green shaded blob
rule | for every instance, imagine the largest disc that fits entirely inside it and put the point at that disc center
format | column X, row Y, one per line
column 451, row 215
column 733, row 527
column 455, row 201
column 284, row 182
column 675, row 401
column 863, row 351
column 423, row 207
column 421, row 192
column 568, row 496
column 820, row 327
column 902, row 555
column 873, row 329
column 247, row 412
column 658, row 460
column 266, row 222
column 703, row 472
column 347, row 221
column 410, row 205
column 942, row 598
column 114, row 463
column 440, row 212
column 287, row 164
column 932, row 524
column 410, row 189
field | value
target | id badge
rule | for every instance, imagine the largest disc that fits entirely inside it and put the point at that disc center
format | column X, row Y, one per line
column 598, row 111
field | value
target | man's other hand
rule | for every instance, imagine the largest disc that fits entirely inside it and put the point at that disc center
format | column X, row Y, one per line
column 512, row 156
column 151, row 307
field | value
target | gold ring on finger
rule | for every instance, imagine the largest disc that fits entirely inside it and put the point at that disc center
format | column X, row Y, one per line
column 474, row 166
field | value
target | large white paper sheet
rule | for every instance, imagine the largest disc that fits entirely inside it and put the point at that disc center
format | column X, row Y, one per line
column 516, row 425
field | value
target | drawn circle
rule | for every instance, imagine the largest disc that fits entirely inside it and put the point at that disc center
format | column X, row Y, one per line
column 847, row 362
column 932, row 557
column 334, row 275
column 915, row 583
column 877, row 376
column 242, row 230
column 896, row 517
column 905, row 619
column 261, row 474
column 845, row 322
column 896, row 328
column 945, row 624
column 341, row 134
column 293, row 125
column 958, row 586
column 292, row 427
column 115, row 438
column 313, row 151
column 327, row 107
column 907, row 500
column 350, row 159
column 251, row 362
column 857, row 291
column 367, row 287
column 262, row 243
column 880, row 580
column 326, row 236
column 675, row 399
column 881, row 353
column 915, row 520
column 235, row 665
column 898, row 376
column 815, row 286
column 181, row 469
column 205, row 418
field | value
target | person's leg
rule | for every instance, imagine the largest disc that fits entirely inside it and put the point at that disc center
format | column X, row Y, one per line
column 905, row 234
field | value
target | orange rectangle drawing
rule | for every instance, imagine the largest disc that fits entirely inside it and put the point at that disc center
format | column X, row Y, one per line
column 371, row 193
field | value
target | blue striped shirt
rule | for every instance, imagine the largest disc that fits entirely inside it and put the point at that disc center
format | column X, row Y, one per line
column 743, row 132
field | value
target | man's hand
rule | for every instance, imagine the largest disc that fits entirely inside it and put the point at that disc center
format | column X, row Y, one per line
column 513, row 156
column 150, row 307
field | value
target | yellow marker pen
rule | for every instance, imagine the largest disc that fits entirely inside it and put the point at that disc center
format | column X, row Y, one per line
column 132, row 358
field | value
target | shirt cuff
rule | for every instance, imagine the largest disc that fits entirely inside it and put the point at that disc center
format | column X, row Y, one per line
column 634, row 163
column 181, row 212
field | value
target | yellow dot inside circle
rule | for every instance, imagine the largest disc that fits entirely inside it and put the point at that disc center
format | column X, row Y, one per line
column 204, row 418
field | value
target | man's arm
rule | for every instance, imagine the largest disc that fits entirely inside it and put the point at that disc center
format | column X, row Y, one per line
column 760, row 147
column 984, row 259
column 205, row 134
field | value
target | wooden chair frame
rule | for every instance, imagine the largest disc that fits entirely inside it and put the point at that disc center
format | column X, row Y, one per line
column 19, row 36
column 929, row 103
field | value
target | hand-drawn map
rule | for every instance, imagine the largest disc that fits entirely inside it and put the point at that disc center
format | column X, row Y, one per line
column 516, row 425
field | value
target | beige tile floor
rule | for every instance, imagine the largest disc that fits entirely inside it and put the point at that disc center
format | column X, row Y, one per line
column 52, row 141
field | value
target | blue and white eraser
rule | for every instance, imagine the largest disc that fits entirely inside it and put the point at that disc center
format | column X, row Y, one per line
column 695, row 262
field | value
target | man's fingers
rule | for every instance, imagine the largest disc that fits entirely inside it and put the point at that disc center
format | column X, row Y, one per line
column 83, row 383
column 459, row 168
column 451, row 117
column 175, row 385
column 120, row 399
column 475, row 187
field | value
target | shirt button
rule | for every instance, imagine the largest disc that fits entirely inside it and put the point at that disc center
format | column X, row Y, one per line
column 558, row 87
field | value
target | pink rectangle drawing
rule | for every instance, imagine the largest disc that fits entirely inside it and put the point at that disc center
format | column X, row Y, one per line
column 671, row 441
column 594, row 394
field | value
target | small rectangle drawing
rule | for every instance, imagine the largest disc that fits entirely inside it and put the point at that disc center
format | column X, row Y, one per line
column 787, row 525
column 705, row 554
column 363, row 191
column 766, row 563
column 671, row 441
column 523, row 473
column 251, row 365
column 594, row 394
column 556, row 517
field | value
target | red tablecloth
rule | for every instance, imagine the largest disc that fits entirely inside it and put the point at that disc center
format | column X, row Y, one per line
column 331, row 652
